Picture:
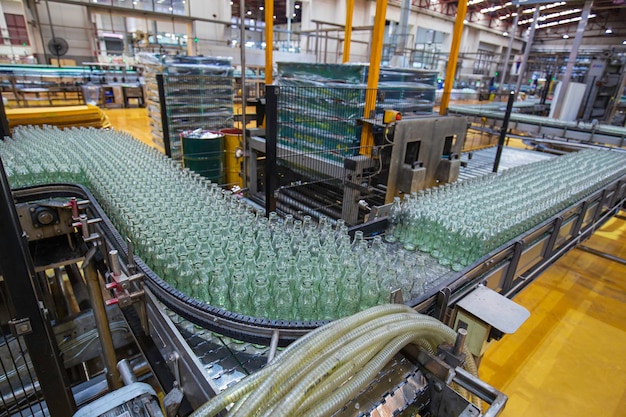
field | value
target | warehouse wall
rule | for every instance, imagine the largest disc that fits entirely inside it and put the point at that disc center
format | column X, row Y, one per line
column 69, row 22
column 17, row 53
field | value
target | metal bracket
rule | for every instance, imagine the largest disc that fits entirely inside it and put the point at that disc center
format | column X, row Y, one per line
column 20, row 327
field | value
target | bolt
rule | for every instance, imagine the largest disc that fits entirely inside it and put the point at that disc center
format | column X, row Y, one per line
column 438, row 386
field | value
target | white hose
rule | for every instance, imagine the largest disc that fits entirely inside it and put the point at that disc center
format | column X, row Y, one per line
column 234, row 393
column 323, row 370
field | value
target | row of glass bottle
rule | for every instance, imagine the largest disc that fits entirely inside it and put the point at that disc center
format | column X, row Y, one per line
column 458, row 223
column 210, row 244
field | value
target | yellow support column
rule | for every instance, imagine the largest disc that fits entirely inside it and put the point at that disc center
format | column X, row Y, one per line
column 454, row 55
column 347, row 36
column 269, row 41
column 367, row 137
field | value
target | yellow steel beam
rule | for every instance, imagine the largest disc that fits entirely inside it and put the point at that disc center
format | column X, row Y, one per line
column 347, row 37
column 454, row 55
column 367, row 137
column 269, row 41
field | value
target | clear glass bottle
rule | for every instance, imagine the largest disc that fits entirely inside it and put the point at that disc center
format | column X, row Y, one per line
column 350, row 296
column 329, row 300
column 307, row 301
column 283, row 300
column 239, row 293
column 261, row 299
column 394, row 220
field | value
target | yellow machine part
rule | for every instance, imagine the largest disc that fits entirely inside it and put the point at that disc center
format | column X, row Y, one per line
column 391, row 116
column 62, row 117
column 232, row 163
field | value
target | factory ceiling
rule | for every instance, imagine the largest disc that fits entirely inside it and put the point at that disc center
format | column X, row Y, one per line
column 607, row 17
column 255, row 10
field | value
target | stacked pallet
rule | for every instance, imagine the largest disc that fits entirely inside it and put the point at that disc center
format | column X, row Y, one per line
column 198, row 94
column 320, row 104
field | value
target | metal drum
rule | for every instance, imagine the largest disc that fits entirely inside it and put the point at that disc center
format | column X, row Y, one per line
column 203, row 153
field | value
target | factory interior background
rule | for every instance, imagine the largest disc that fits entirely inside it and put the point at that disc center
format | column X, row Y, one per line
column 189, row 187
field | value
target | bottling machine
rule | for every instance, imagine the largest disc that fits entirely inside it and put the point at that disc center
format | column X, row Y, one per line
column 82, row 312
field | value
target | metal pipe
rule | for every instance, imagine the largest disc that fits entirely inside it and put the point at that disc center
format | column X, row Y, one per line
column 102, row 324
column 367, row 137
column 296, row 204
column 114, row 258
column 602, row 254
column 244, row 92
column 529, row 44
column 578, row 39
column 347, row 35
column 454, row 56
column 273, row 345
column 292, row 201
column 288, row 16
column 460, row 341
column 52, row 31
column 269, row 41
column 403, row 28
column 303, row 199
column 126, row 372
column 507, row 56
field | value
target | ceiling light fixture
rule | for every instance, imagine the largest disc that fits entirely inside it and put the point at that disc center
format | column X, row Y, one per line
column 261, row 8
column 608, row 31
column 566, row 36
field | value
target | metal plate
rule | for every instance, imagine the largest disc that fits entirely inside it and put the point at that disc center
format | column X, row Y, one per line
column 494, row 309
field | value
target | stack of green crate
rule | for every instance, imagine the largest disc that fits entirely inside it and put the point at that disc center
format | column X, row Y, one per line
column 320, row 104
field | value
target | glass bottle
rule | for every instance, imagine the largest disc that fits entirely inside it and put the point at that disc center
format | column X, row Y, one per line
column 283, row 300
column 394, row 220
column 350, row 295
column 370, row 289
column 261, row 299
column 307, row 301
column 218, row 287
column 239, row 293
column 328, row 305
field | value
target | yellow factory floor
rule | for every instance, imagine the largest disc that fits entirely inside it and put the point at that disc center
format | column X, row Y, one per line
column 568, row 358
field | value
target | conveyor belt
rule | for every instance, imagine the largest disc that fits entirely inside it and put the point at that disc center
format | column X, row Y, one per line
column 479, row 163
column 538, row 125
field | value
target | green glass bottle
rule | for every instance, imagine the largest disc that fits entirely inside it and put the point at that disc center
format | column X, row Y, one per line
column 239, row 293
column 307, row 301
column 370, row 289
column 261, row 299
column 283, row 300
column 218, row 286
column 328, row 305
column 350, row 296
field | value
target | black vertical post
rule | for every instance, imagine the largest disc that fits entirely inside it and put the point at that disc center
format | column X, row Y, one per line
column 546, row 89
column 4, row 122
column 271, row 134
column 18, row 271
column 164, row 120
column 505, row 127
